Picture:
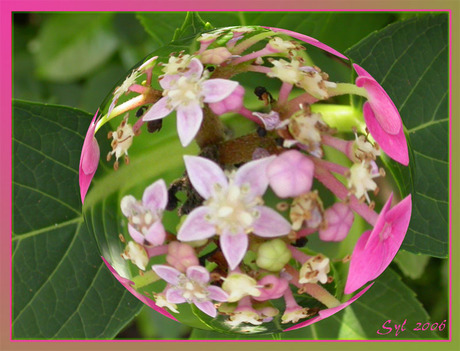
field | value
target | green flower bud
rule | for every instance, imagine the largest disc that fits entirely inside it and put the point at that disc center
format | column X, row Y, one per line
column 273, row 255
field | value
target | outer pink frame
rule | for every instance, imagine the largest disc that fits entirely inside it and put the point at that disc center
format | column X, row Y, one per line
column 8, row 6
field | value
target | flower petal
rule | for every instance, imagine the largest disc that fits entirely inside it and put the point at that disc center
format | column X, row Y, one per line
column 189, row 120
column 270, row 223
column 169, row 274
column 395, row 146
column 216, row 90
column 198, row 274
column 156, row 234
column 254, row 174
column 207, row 307
column 204, row 174
column 195, row 226
column 174, row 295
column 384, row 109
column 136, row 235
column 234, row 248
column 195, row 68
column 89, row 158
column 155, row 196
column 217, row 294
column 158, row 110
column 308, row 40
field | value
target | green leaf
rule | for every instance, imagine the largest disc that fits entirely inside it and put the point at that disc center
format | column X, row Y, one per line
column 62, row 288
column 71, row 46
column 387, row 299
column 410, row 60
column 413, row 266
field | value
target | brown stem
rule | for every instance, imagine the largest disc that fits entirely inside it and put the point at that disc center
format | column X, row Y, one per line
column 211, row 131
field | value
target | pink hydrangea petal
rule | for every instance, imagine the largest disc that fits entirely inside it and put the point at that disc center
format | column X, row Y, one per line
column 234, row 248
column 207, row 307
column 169, row 274
column 308, row 40
column 365, row 262
column 216, row 90
column 290, row 174
column 204, row 174
column 195, row 68
column 158, row 110
column 189, row 120
column 254, row 174
column 198, row 274
column 270, row 223
column 156, row 234
column 136, row 235
column 89, row 159
column 339, row 218
column 361, row 71
column 217, row 294
column 195, row 226
column 175, row 295
column 384, row 109
column 128, row 285
column 155, row 196
column 329, row 311
column 395, row 146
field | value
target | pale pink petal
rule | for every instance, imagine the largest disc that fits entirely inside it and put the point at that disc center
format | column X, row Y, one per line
column 254, row 174
column 158, row 110
column 308, row 40
column 207, row 307
column 136, row 235
column 232, row 103
column 167, row 80
column 234, row 248
column 339, row 218
column 384, row 109
column 169, row 274
column 175, row 295
column 155, row 196
column 216, row 90
column 270, row 223
column 198, row 274
column 329, row 311
column 204, row 174
column 128, row 205
column 217, row 294
column 156, row 234
column 188, row 122
column 290, row 174
column 128, row 285
column 395, row 146
column 195, row 226
column 272, row 288
column 195, row 68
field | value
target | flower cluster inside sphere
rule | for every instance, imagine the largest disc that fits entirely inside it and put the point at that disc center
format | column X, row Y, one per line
column 240, row 252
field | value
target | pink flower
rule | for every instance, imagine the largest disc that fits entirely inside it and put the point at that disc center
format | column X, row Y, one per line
column 382, row 118
column 339, row 219
column 128, row 284
column 232, row 208
column 192, row 287
column 272, row 288
column 375, row 249
column 144, row 217
column 308, row 40
column 89, row 158
column 181, row 256
column 185, row 93
column 323, row 314
column 232, row 103
column 290, row 174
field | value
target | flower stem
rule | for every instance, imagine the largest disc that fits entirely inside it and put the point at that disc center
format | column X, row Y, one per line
column 211, row 130
column 147, row 278
column 321, row 294
column 157, row 250
column 341, row 145
column 238, row 49
column 343, row 118
column 294, row 104
column 347, row 88
column 298, row 255
column 285, row 90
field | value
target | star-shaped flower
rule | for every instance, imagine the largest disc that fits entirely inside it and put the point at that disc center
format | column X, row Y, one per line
column 185, row 92
column 232, row 208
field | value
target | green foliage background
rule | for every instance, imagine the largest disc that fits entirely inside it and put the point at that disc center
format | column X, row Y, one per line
column 61, row 288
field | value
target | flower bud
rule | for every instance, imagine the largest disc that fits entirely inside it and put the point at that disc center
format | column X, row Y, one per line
column 273, row 255
column 339, row 219
column 238, row 285
column 137, row 254
column 181, row 256
column 272, row 288
column 233, row 103
column 314, row 270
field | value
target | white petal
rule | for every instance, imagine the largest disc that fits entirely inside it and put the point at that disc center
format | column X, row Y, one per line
column 216, row 90
column 188, row 122
column 169, row 274
column 198, row 274
column 270, row 223
column 204, row 174
column 158, row 110
column 195, row 226
column 234, row 248
column 254, row 174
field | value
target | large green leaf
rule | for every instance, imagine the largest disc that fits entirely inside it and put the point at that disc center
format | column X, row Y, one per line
column 62, row 288
column 410, row 60
column 387, row 299
column 70, row 46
